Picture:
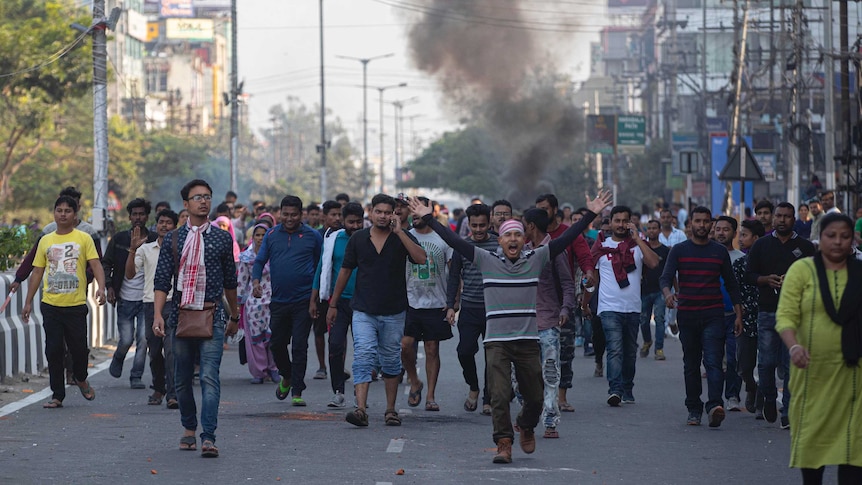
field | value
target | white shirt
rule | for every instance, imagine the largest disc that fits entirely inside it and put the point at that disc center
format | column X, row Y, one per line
column 146, row 260
column 612, row 298
column 676, row 237
column 426, row 283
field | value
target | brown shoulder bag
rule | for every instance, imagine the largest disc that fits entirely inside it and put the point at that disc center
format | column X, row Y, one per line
column 191, row 323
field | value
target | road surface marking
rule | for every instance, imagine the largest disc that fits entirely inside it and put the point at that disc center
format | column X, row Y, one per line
column 395, row 446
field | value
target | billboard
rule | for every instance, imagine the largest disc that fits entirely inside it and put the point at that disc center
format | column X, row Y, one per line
column 153, row 30
column 136, row 25
column 176, row 8
column 189, row 29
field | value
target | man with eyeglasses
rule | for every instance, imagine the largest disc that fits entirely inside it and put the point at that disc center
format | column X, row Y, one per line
column 501, row 211
column 205, row 271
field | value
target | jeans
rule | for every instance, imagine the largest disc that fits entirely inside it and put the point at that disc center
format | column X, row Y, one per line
column 161, row 350
column 185, row 352
column 621, row 344
column 746, row 362
column 132, row 326
column 772, row 353
column 549, row 342
column 702, row 339
column 290, row 322
column 338, row 344
column 598, row 335
column 471, row 328
column 376, row 341
column 567, row 349
column 65, row 325
column 652, row 305
column 526, row 357
column 732, row 381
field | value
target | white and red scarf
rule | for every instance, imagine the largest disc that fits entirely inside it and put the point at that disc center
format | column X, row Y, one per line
column 192, row 279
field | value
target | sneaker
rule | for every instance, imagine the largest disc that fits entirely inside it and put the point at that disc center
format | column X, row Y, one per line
column 337, row 400
column 589, row 351
column 298, row 401
column 645, row 349
column 116, row 368
column 693, row 419
column 785, row 422
column 320, row 374
column 716, row 416
column 579, row 341
column 758, row 415
column 599, row 372
column 733, row 405
column 527, row 440
column 504, row 451
column 770, row 411
column 659, row 354
column 137, row 383
column 614, row 400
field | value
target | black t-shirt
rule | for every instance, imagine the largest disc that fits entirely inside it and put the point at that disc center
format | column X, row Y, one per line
column 381, row 285
column 651, row 276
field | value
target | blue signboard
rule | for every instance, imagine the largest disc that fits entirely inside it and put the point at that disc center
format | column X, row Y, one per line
column 718, row 153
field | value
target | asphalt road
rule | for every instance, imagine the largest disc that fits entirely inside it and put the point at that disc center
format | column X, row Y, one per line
column 119, row 438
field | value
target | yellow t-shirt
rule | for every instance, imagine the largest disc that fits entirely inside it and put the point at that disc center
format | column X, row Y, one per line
column 65, row 261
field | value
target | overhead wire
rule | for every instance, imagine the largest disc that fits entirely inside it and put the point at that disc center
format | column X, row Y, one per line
column 52, row 59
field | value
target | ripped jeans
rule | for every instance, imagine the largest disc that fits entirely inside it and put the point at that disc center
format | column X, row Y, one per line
column 549, row 340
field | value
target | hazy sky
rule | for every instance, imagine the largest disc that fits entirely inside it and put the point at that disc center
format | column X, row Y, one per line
column 279, row 57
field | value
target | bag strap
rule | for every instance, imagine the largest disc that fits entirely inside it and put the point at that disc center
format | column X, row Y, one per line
column 174, row 246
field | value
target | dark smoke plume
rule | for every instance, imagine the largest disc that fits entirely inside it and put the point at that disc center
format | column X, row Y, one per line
column 492, row 58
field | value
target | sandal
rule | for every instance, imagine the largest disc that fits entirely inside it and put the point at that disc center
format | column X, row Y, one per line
column 173, row 404
column 208, row 449
column 281, row 391
column 566, row 407
column 357, row 417
column 431, row 406
column 188, row 443
column 391, row 418
column 53, row 404
column 155, row 399
column 415, row 397
column 486, row 409
column 551, row 433
column 88, row 392
column 471, row 404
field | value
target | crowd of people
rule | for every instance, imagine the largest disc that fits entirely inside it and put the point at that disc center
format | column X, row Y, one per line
column 779, row 293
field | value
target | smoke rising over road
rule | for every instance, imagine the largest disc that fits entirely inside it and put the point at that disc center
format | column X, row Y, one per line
column 495, row 59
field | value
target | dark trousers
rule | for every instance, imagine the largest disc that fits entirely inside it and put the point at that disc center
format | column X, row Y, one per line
column 598, row 338
column 65, row 325
column 702, row 340
column 746, row 360
column 161, row 352
column 526, row 356
column 338, row 344
column 290, row 321
column 471, row 328
column 847, row 475
column 567, row 349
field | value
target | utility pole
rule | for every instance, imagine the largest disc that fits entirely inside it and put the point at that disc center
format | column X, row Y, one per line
column 366, row 181
column 381, row 90
column 399, row 134
column 829, row 95
column 323, row 144
column 794, row 153
column 234, row 102
column 100, row 119
column 846, row 118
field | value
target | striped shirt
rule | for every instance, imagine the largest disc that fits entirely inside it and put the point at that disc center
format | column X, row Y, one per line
column 700, row 269
column 472, row 294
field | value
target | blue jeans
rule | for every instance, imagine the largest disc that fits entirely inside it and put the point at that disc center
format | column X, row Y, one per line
column 131, row 323
column 376, row 341
column 732, row 380
column 549, row 341
column 290, row 324
column 185, row 353
column 652, row 305
column 771, row 353
column 621, row 344
column 702, row 339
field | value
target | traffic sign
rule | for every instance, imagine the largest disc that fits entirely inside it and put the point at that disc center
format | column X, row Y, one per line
column 631, row 130
column 742, row 165
column 601, row 134
column 689, row 162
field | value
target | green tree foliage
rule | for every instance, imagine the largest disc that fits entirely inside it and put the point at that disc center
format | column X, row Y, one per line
column 642, row 176
column 41, row 67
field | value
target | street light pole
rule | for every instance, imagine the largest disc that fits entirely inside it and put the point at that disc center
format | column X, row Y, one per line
column 234, row 102
column 365, row 61
column 380, row 90
column 323, row 145
column 399, row 134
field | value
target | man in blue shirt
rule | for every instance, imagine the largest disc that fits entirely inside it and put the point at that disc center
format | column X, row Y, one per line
column 293, row 250
column 332, row 258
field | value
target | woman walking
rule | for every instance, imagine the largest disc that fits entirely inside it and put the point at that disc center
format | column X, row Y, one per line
column 819, row 318
column 255, row 313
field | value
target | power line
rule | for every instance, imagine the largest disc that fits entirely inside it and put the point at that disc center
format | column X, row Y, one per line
column 54, row 58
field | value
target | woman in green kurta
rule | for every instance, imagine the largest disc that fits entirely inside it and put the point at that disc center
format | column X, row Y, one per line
column 818, row 318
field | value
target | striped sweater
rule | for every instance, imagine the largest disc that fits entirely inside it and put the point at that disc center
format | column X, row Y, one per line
column 700, row 269
column 463, row 269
